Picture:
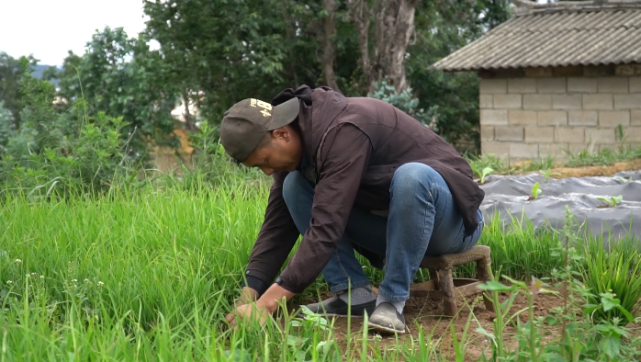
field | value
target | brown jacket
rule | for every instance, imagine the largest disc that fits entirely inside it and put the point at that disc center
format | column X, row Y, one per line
column 353, row 147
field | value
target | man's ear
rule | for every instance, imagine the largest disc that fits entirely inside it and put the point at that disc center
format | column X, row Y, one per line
column 281, row 133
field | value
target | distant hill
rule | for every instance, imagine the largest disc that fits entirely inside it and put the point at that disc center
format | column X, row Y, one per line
column 39, row 69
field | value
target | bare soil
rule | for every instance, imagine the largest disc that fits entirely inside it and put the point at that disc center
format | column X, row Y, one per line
column 609, row 170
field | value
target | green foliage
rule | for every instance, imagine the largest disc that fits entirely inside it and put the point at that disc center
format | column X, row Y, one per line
column 613, row 201
column 122, row 77
column 404, row 101
column 536, row 191
column 11, row 71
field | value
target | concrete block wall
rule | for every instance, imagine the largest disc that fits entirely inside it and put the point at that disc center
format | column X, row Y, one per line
column 540, row 114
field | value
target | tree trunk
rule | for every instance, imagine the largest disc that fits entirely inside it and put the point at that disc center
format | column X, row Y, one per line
column 189, row 121
column 403, row 29
column 360, row 15
column 329, row 54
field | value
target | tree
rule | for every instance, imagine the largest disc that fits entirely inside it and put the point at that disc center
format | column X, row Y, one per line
column 123, row 77
column 11, row 71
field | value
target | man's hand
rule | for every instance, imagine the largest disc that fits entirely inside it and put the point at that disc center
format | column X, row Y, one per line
column 262, row 309
column 247, row 295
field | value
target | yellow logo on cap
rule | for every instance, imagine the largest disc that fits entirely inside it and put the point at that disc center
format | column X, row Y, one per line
column 264, row 105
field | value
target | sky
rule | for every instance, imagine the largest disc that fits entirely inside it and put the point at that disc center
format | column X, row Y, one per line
column 48, row 29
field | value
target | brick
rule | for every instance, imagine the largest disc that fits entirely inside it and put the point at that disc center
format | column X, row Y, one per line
column 493, row 117
column 627, row 101
column 600, row 135
column 582, row 85
column 572, row 71
column 538, row 72
column 507, row 101
column 537, row 101
column 551, row 85
column 635, row 84
column 614, row 118
column 597, row 101
column 486, row 101
column 493, row 86
column 565, row 101
column 524, row 150
column 635, row 118
column 553, row 118
column 522, row 117
column 569, row 135
column 556, row 151
column 487, row 133
column 509, row 133
column 521, row 85
column 539, row 134
column 500, row 149
column 613, row 84
column 583, row 118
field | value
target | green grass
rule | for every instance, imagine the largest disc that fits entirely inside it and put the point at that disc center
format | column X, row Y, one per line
column 151, row 276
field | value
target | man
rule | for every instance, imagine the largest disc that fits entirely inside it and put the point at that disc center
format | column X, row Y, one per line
column 349, row 174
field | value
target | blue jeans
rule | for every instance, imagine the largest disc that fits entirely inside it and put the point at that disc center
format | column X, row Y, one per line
column 422, row 220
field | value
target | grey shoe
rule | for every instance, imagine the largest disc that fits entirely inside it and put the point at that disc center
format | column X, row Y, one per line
column 336, row 307
column 387, row 319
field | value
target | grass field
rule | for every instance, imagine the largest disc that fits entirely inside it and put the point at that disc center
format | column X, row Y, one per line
column 150, row 277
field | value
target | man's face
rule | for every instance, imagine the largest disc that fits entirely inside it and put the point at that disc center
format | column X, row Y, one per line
column 283, row 153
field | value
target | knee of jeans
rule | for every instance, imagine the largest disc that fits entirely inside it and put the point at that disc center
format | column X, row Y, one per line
column 413, row 174
column 293, row 185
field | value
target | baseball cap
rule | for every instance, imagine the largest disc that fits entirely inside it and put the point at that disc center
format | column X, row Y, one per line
column 247, row 122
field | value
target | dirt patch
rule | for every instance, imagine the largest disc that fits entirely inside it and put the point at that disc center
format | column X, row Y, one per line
column 606, row 170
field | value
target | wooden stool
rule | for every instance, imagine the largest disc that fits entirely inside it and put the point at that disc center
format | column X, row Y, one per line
column 448, row 288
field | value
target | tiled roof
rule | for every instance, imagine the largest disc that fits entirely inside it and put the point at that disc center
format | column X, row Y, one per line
column 556, row 36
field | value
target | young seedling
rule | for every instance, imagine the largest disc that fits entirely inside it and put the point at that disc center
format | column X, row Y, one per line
column 536, row 191
column 486, row 171
column 549, row 173
column 613, row 201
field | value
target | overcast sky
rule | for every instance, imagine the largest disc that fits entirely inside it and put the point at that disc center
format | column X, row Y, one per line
column 48, row 29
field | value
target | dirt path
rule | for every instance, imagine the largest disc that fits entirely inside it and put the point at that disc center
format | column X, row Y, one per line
column 609, row 170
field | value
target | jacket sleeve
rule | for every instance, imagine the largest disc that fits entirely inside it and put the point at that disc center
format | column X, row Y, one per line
column 275, row 240
column 345, row 154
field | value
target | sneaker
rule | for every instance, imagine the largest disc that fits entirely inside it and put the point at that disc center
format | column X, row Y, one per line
column 336, row 307
column 387, row 319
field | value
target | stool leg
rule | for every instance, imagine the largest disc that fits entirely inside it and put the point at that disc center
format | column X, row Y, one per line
column 484, row 275
column 446, row 284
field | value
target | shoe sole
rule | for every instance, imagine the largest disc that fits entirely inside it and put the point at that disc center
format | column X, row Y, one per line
column 384, row 329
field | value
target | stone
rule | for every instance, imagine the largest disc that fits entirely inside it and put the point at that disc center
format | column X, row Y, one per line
column 583, row 118
column 537, row 101
column 597, row 101
column 582, row 85
column 522, row 117
column 553, row 118
column 614, row 118
column 493, row 117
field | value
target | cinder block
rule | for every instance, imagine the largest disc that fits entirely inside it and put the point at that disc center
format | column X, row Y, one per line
column 627, row 101
column 635, row 118
column 487, row 133
column 597, row 101
column 539, row 134
column 554, row 150
column 613, row 84
column 537, row 101
column 522, row 117
column 569, row 135
column 486, row 101
column 600, row 135
column 551, row 85
column 509, row 133
column 493, row 86
column 633, row 134
column 499, row 149
column 553, row 118
column 567, row 101
column 583, row 118
column 507, row 101
column 635, row 84
column 493, row 117
column 614, row 118
column 524, row 150
column 521, row 85
column 582, row 85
